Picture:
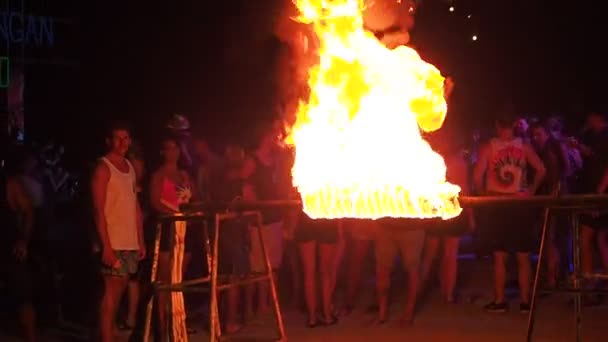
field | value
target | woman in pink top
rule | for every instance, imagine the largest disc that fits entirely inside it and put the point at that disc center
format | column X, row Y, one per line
column 170, row 187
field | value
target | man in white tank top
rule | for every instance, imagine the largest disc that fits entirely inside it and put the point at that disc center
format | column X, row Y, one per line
column 504, row 161
column 119, row 226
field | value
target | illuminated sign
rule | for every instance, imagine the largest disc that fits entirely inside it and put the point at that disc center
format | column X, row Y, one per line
column 4, row 73
column 27, row 29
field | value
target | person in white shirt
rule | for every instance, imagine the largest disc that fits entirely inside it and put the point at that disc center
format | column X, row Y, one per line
column 118, row 221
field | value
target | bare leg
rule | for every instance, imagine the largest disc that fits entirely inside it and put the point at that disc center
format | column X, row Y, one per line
column 133, row 292
column 272, row 238
column 27, row 319
column 449, row 268
column 249, row 300
column 264, row 297
column 296, row 281
column 431, row 248
column 336, row 261
column 185, row 266
column 327, row 254
column 162, row 297
column 357, row 253
column 114, row 287
column 411, row 295
column 602, row 245
column 553, row 259
column 500, row 276
column 587, row 237
column 525, row 276
column 308, row 257
column 411, row 247
column 187, row 261
column 232, row 324
column 382, row 287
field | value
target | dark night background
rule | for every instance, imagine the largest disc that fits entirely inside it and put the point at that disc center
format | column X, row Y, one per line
column 213, row 61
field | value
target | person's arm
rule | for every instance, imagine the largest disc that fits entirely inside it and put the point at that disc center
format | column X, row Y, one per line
column 185, row 153
column 537, row 165
column 566, row 168
column 459, row 176
column 448, row 88
column 138, row 166
column 249, row 192
column 584, row 149
column 248, row 168
column 20, row 203
column 140, row 231
column 553, row 171
column 603, row 186
column 202, row 186
column 195, row 196
column 99, row 185
column 156, row 188
column 480, row 168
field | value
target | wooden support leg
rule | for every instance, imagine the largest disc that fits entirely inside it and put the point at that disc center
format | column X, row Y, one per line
column 209, row 259
column 273, row 288
column 541, row 252
column 214, row 323
column 179, row 332
column 578, row 298
column 149, row 306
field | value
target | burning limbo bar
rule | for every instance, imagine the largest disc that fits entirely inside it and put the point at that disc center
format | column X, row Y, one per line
column 567, row 201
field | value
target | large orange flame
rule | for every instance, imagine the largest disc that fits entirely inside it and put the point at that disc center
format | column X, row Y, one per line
column 359, row 149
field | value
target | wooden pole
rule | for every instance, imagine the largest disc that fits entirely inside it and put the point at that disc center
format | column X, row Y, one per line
column 179, row 333
column 149, row 306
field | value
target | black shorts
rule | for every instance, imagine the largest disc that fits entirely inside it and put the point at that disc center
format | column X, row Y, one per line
column 321, row 231
column 455, row 227
column 508, row 229
column 234, row 247
column 194, row 237
column 599, row 222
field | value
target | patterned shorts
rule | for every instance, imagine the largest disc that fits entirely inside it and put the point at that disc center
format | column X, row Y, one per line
column 129, row 262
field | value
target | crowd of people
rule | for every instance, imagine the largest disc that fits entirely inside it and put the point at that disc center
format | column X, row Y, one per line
column 522, row 159
column 126, row 194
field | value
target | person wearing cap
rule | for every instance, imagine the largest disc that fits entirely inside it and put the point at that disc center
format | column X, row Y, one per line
column 179, row 127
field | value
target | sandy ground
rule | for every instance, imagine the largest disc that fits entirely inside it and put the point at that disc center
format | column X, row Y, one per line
column 437, row 321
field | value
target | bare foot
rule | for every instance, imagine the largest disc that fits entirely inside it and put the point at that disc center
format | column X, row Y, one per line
column 346, row 310
column 295, row 302
column 407, row 319
column 249, row 315
column 263, row 310
column 380, row 320
column 372, row 308
column 450, row 300
column 232, row 328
